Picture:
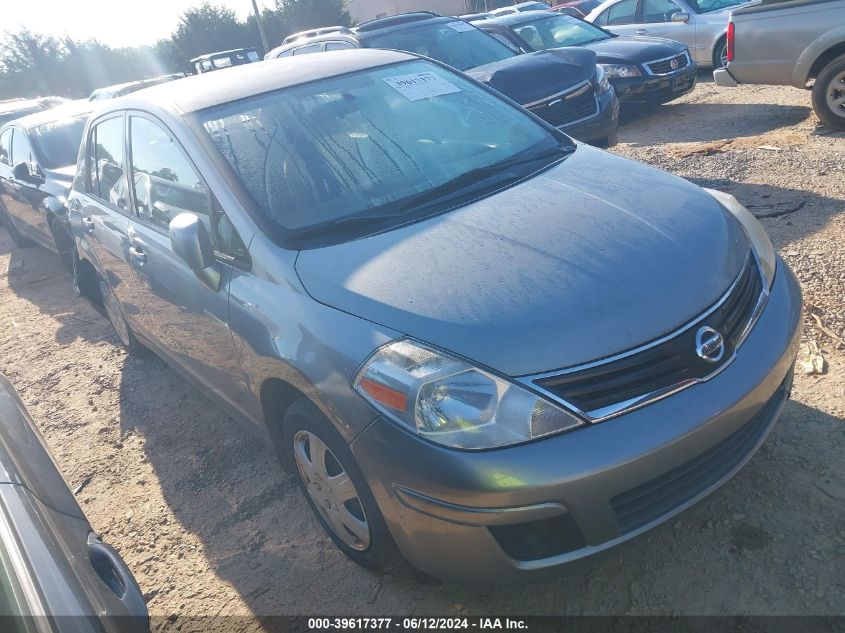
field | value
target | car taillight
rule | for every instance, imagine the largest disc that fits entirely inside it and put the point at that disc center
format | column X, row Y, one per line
column 730, row 41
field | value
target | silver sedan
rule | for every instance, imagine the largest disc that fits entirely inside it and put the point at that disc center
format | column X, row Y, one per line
column 700, row 24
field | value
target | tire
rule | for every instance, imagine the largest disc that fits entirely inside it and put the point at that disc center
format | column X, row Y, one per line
column 85, row 282
column 19, row 240
column 720, row 54
column 612, row 138
column 370, row 544
column 63, row 239
column 829, row 94
column 112, row 311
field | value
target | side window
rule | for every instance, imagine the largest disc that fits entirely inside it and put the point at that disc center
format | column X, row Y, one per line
column 338, row 46
column 310, row 48
column 601, row 18
column 166, row 184
column 659, row 11
column 21, row 150
column 622, row 13
column 6, row 146
column 504, row 40
column 106, row 177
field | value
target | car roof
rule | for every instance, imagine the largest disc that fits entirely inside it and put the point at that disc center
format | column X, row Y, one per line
column 334, row 36
column 19, row 104
column 518, row 18
column 80, row 107
column 239, row 82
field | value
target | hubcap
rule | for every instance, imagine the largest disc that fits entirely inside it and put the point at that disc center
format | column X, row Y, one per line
column 723, row 56
column 835, row 95
column 116, row 318
column 331, row 489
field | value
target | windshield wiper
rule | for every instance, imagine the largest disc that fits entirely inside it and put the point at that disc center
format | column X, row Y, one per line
column 436, row 194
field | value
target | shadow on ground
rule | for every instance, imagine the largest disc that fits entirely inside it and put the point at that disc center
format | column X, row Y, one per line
column 31, row 272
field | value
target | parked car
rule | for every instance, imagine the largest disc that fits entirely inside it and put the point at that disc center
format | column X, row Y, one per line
column 575, row 13
column 54, row 564
column 16, row 108
column 639, row 68
column 469, row 338
column 582, row 7
column 118, row 90
column 224, row 59
column 791, row 44
column 563, row 87
column 53, row 101
column 700, row 24
column 520, row 7
column 313, row 33
column 38, row 156
column 475, row 17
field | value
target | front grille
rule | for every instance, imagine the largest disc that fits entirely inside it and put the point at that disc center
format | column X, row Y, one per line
column 664, row 66
column 606, row 388
column 569, row 107
column 663, row 494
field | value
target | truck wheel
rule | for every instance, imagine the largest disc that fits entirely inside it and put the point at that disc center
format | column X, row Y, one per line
column 720, row 54
column 829, row 94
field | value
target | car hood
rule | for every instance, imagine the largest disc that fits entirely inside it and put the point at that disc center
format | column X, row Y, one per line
column 592, row 257
column 535, row 76
column 634, row 50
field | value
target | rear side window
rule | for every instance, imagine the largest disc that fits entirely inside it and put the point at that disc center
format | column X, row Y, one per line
column 166, row 184
column 5, row 146
column 338, row 46
column 310, row 48
column 21, row 149
column 106, row 177
column 622, row 13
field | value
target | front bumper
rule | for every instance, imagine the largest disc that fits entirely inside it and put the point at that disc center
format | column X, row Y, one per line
column 724, row 78
column 601, row 127
column 514, row 513
column 656, row 89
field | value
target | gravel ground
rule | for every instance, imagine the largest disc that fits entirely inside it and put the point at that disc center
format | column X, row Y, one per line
column 210, row 524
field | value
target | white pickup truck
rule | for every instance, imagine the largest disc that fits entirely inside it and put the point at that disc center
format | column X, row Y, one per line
column 791, row 43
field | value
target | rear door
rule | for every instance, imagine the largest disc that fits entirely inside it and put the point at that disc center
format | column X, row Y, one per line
column 105, row 209
column 182, row 315
column 656, row 21
column 619, row 18
column 6, row 191
column 29, row 192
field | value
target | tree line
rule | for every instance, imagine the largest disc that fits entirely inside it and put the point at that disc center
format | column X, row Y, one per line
column 33, row 64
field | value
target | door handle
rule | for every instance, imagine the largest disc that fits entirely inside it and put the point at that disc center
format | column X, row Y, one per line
column 641, row 31
column 113, row 572
column 137, row 254
column 88, row 224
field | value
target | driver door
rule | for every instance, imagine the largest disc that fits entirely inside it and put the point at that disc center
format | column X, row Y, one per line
column 186, row 320
column 656, row 21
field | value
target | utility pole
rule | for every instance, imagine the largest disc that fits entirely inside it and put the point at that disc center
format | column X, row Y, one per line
column 260, row 27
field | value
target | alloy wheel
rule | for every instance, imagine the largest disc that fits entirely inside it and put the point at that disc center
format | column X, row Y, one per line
column 835, row 95
column 331, row 490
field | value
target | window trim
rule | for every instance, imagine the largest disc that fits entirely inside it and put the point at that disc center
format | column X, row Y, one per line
column 243, row 263
column 11, row 132
column 87, row 161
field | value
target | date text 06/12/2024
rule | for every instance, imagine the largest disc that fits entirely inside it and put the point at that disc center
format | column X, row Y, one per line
column 415, row 624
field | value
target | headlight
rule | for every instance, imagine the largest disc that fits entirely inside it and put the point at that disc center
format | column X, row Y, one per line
column 620, row 70
column 453, row 403
column 757, row 235
column 601, row 77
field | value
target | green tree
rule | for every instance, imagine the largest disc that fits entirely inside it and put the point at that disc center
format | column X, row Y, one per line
column 208, row 28
column 299, row 15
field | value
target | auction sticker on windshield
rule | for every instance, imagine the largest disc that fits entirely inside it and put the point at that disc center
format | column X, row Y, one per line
column 460, row 26
column 416, row 86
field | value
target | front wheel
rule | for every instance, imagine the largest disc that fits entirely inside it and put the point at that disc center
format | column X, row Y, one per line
column 829, row 94
column 336, row 489
column 121, row 328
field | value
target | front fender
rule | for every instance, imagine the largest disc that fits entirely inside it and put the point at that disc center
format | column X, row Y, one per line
column 823, row 43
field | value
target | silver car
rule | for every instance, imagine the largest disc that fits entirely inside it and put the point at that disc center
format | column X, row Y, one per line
column 473, row 341
column 700, row 24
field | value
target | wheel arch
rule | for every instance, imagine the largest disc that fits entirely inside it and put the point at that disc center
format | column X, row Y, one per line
column 276, row 396
column 817, row 55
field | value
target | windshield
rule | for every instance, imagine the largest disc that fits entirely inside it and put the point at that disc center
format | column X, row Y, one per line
column 57, row 143
column 366, row 147
column 456, row 44
column 706, row 6
column 559, row 30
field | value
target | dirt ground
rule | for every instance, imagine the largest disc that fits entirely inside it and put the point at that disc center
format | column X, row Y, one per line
column 211, row 525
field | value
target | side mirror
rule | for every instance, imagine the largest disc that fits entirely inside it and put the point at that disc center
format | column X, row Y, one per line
column 21, row 172
column 189, row 239
column 681, row 16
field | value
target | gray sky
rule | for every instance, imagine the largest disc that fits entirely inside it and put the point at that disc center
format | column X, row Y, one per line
column 113, row 22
